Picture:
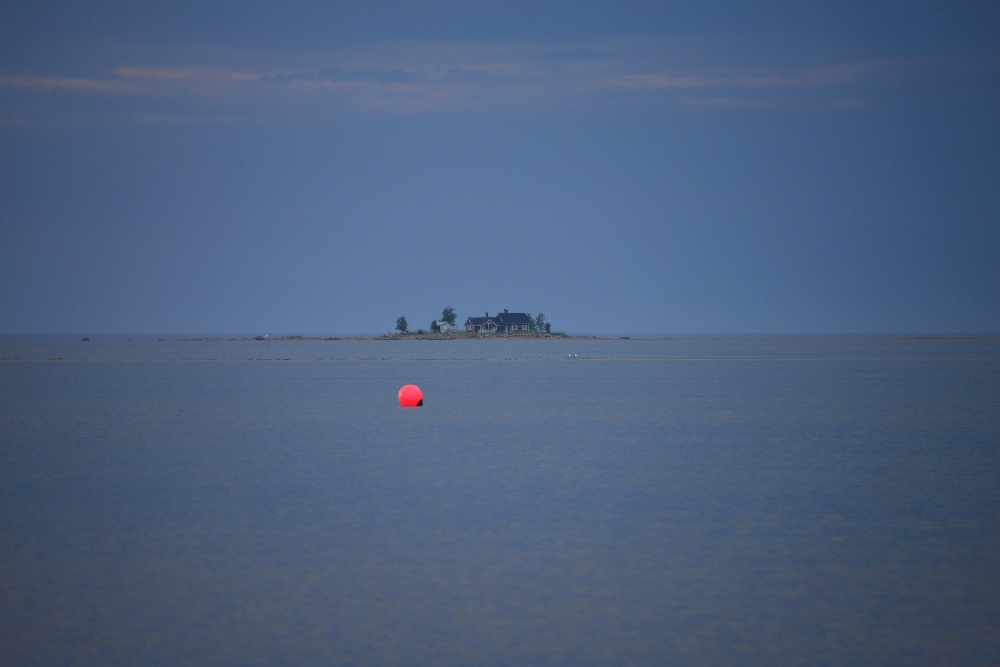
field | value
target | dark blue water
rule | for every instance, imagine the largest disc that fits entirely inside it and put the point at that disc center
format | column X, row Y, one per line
column 688, row 502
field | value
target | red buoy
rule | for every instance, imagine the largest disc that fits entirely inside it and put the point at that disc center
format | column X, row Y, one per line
column 410, row 396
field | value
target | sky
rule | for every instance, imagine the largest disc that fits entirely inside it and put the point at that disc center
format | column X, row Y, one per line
column 647, row 167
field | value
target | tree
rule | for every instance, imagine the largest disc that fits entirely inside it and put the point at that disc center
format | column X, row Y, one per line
column 401, row 324
column 540, row 324
column 448, row 315
column 434, row 326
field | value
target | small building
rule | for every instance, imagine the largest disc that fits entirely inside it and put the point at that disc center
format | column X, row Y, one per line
column 505, row 322
column 443, row 326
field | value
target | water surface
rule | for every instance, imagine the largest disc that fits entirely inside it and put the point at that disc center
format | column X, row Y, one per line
column 697, row 502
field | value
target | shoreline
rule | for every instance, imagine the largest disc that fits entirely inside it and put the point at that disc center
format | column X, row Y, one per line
column 415, row 336
column 570, row 337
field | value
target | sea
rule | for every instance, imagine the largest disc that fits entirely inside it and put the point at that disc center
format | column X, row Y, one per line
column 703, row 500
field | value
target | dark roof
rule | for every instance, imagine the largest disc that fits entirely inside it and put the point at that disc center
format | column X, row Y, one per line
column 501, row 319
column 513, row 318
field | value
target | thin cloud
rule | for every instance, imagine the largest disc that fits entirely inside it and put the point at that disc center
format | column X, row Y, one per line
column 195, row 74
column 665, row 82
column 833, row 86
column 815, row 77
column 79, row 85
column 404, row 77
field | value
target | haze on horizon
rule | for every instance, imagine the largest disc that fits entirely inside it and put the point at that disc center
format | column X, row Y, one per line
column 621, row 166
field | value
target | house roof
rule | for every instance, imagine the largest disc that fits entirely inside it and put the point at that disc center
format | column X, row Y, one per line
column 513, row 318
column 500, row 319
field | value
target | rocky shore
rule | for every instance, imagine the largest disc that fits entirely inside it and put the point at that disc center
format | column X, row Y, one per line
column 427, row 336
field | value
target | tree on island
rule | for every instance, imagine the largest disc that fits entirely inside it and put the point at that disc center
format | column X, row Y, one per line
column 448, row 315
column 540, row 324
column 401, row 325
column 435, row 327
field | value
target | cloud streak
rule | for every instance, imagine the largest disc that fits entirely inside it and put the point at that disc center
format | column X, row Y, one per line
column 181, row 74
column 80, row 85
column 405, row 77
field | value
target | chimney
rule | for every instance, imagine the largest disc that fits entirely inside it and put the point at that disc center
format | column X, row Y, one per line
column 504, row 311
column 487, row 313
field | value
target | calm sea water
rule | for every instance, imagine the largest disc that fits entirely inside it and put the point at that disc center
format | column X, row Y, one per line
column 651, row 502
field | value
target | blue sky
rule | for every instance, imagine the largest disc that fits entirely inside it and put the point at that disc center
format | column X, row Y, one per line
column 300, row 167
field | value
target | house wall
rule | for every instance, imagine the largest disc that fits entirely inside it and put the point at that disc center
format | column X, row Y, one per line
column 492, row 327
